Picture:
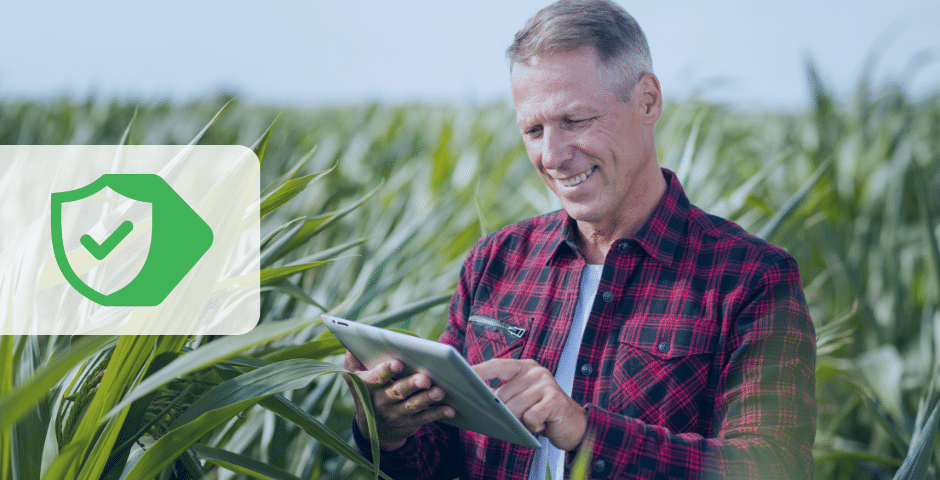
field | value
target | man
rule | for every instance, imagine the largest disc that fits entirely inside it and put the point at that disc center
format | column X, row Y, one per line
column 670, row 342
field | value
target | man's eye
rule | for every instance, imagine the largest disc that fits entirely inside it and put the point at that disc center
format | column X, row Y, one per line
column 577, row 122
column 534, row 131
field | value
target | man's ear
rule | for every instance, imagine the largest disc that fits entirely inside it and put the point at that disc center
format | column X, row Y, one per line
column 649, row 98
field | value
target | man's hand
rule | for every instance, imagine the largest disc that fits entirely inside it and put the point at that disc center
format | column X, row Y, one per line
column 401, row 406
column 533, row 396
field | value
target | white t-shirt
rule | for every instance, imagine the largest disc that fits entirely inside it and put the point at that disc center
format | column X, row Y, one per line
column 590, row 279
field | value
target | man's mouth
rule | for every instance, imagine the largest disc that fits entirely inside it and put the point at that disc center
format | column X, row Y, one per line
column 575, row 180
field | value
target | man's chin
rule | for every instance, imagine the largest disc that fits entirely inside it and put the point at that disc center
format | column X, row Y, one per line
column 581, row 213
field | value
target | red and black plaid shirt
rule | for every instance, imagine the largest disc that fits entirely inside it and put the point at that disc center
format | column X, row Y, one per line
column 698, row 358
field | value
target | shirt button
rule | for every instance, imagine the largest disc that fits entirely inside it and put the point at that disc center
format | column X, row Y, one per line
column 608, row 297
column 587, row 369
column 599, row 466
column 663, row 347
column 624, row 245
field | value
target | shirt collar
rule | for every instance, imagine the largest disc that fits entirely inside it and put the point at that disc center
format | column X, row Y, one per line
column 660, row 236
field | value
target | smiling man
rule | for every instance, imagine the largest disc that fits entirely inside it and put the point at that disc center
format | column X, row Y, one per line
column 670, row 342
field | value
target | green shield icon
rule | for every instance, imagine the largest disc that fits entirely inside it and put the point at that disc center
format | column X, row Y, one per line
column 179, row 238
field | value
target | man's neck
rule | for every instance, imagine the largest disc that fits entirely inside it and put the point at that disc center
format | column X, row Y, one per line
column 594, row 239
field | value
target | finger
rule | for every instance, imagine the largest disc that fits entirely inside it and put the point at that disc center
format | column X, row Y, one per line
column 352, row 363
column 407, row 387
column 421, row 401
column 415, row 419
column 522, row 402
column 535, row 417
column 436, row 413
column 537, row 378
column 503, row 368
column 382, row 374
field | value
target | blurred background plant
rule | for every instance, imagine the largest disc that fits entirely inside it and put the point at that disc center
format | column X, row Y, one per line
column 368, row 214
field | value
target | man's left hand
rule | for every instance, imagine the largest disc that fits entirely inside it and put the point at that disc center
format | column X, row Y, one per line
column 532, row 395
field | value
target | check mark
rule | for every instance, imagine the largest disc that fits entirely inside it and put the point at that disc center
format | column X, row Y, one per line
column 102, row 250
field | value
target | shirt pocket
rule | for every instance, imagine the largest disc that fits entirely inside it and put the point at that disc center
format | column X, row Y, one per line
column 661, row 373
column 494, row 335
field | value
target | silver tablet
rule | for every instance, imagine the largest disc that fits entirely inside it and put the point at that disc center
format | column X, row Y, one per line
column 478, row 408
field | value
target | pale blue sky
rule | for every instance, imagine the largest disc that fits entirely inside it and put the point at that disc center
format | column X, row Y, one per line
column 306, row 53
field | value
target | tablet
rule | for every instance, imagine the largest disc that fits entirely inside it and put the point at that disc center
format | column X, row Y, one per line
column 478, row 408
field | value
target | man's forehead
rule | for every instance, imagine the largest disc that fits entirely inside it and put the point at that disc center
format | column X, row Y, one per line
column 551, row 109
column 552, row 86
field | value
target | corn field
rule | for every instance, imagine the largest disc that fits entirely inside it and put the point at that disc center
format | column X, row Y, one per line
column 368, row 212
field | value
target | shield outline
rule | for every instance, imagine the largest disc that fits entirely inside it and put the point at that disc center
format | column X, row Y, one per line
column 135, row 186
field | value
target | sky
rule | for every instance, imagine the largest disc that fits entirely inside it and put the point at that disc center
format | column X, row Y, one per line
column 739, row 52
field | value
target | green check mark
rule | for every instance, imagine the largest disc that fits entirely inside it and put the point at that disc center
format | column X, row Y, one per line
column 102, row 250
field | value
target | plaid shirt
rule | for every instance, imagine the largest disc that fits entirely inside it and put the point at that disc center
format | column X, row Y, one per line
column 698, row 359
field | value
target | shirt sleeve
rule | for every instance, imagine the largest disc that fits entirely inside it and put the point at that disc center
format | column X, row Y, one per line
column 765, row 402
column 423, row 457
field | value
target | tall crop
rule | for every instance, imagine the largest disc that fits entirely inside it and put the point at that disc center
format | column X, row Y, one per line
column 369, row 213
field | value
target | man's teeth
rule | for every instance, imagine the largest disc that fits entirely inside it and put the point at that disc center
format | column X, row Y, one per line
column 572, row 181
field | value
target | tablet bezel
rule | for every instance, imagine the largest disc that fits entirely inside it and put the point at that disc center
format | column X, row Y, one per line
column 478, row 408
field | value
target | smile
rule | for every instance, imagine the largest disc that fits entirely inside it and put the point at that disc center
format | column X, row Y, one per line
column 577, row 179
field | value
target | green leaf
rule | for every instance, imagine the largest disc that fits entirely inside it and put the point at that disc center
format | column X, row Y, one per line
column 285, row 192
column 318, row 349
column 288, row 288
column 170, row 446
column 582, row 459
column 332, row 251
column 685, row 164
column 269, row 274
column 101, row 449
column 484, row 225
column 168, row 349
column 390, row 318
column 853, row 456
column 19, row 400
column 29, row 439
column 278, row 249
column 930, row 226
column 742, row 194
column 290, row 173
column 274, row 242
column 131, row 461
column 6, row 386
column 216, row 118
column 772, row 225
column 443, row 158
column 125, row 138
column 239, row 463
column 365, row 400
column 212, row 353
column 313, row 427
column 268, row 380
column 294, row 414
column 317, row 224
column 221, row 403
column 125, row 368
column 262, row 143
column 917, row 462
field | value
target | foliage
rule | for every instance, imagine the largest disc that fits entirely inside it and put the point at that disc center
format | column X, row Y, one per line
column 369, row 213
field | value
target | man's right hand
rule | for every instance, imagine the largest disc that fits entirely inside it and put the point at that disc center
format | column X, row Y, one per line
column 401, row 406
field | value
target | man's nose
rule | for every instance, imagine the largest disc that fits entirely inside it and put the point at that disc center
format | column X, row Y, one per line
column 556, row 148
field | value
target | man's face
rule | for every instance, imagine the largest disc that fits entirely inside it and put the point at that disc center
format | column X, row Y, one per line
column 591, row 148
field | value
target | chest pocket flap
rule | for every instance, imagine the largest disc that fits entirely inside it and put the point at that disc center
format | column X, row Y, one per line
column 670, row 338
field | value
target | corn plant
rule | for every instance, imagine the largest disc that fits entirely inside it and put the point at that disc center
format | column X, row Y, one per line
column 148, row 406
column 370, row 211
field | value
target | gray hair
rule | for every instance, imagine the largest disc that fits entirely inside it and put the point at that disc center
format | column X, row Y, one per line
column 568, row 25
